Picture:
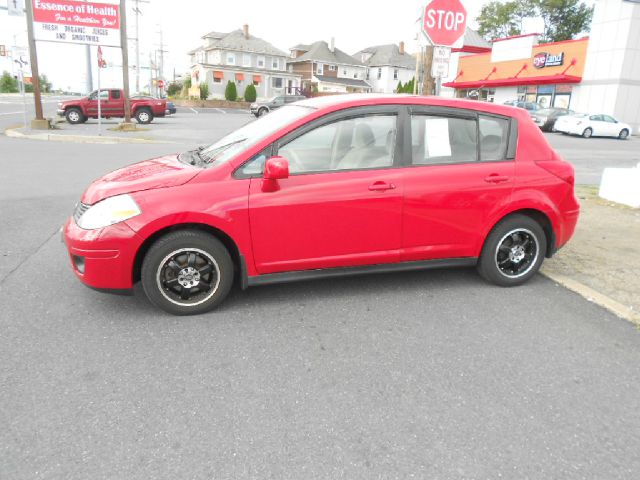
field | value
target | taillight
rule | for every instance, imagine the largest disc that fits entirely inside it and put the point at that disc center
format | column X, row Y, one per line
column 560, row 169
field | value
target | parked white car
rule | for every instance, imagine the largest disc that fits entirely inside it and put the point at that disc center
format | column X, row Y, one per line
column 592, row 126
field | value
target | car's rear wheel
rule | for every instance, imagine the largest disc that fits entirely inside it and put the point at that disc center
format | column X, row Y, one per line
column 513, row 252
column 587, row 132
column 624, row 133
column 187, row 272
column 262, row 111
column 74, row 116
column 144, row 115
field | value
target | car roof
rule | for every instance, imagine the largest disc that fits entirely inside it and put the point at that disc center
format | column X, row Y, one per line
column 338, row 102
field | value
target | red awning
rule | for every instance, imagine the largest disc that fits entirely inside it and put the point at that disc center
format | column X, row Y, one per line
column 257, row 79
column 219, row 75
column 240, row 77
column 512, row 82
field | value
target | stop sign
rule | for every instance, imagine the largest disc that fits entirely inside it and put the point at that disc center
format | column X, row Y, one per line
column 444, row 21
column 160, row 83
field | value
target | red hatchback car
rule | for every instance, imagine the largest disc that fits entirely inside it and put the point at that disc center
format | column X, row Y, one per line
column 327, row 187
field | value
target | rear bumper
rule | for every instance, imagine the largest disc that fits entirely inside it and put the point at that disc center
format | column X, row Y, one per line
column 103, row 258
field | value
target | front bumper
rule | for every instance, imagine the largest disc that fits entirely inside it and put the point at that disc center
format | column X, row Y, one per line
column 60, row 112
column 102, row 258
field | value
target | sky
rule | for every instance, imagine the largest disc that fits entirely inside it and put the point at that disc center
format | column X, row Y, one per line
column 355, row 24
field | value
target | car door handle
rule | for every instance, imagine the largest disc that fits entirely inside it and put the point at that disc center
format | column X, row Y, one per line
column 495, row 178
column 381, row 186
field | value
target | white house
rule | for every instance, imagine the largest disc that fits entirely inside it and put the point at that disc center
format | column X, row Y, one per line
column 386, row 66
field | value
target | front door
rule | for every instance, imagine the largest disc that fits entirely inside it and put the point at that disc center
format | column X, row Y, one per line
column 92, row 103
column 341, row 205
column 454, row 183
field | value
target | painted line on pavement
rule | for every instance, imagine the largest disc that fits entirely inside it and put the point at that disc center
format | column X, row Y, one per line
column 194, row 110
column 11, row 113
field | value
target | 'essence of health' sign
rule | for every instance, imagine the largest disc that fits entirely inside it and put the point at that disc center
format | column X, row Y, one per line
column 76, row 22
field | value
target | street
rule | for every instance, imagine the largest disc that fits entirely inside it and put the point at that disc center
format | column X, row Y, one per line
column 432, row 374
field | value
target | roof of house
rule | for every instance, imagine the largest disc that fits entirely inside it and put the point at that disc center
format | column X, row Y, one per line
column 320, row 52
column 383, row 55
column 351, row 82
column 236, row 41
column 474, row 39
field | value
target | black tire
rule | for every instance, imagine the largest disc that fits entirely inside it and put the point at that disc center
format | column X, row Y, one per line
column 624, row 134
column 187, row 272
column 74, row 116
column 144, row 115
column 262, row 111
column 513, row 252
column 587, row 132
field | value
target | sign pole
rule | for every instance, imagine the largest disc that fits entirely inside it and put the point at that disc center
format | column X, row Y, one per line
column 99, row 101
column 39, row 123
column 125, row 60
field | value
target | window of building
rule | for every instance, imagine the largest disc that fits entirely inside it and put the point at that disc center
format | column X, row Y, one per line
column 344, row 72
column 332, row 68
column 246, row 60
column 361, row 143
column 275, row 63
column 277, row 82
column 319, row 69
column 395, row 74
column 261, row 62
column 443, row 140
column 379, row 73
column 231, row 58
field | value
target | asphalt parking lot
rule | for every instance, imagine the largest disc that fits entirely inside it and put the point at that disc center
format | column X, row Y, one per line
column 430, row 374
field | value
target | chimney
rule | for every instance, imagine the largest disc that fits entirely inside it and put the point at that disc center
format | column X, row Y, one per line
column 245, row 29
column 332, row 46
column 401, row 48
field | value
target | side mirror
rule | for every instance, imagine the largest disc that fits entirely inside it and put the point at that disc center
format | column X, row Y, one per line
column 276, row 168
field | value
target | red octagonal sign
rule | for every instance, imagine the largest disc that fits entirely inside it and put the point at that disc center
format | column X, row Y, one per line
column 444, row 21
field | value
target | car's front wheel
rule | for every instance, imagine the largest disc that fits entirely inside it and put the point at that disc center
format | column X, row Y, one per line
column 513, row 252
column 187, row 272
column 144, row 115
column 74, row 116
column 624, row 133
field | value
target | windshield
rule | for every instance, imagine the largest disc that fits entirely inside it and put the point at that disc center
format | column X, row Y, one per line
column 245, row 137
column 545, row 111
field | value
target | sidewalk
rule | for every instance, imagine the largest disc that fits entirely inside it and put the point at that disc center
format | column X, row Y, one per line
column 602, row 260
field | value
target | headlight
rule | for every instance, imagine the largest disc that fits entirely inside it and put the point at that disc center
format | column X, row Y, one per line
column 108, row 212
column 59, row 104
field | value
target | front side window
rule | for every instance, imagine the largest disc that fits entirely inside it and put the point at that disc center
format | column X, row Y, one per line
column 361, row 143
column 443, row 140
column 494, row 138
column 609, row 119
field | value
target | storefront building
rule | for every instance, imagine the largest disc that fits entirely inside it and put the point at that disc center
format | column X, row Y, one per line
column 519, row 68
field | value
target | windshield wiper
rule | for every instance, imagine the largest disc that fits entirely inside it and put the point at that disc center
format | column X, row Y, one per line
column 209, row 157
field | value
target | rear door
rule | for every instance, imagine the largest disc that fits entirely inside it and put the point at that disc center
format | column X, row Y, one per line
column 115, row 107
column 461, row 170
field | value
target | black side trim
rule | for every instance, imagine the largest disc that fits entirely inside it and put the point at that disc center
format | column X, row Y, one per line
column 513, row 139
column 125, row 292
column 244, row 276
column 301, row 275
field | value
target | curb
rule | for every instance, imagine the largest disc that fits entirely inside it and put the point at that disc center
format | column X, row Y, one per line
column 54, row 137
column 596, row 297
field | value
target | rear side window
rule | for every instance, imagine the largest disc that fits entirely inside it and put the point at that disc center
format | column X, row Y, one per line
column 115, row 94
column 438, row 140
column 494, row 138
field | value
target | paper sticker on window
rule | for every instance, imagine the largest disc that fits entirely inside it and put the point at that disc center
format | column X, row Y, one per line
column 437, row 137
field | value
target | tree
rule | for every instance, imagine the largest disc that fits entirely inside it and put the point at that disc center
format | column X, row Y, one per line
column 8, row 84
column 230, row 92
column 250, row 93
column 174, row 88
column 204, row 91
column 563, row 19
column 399, row 87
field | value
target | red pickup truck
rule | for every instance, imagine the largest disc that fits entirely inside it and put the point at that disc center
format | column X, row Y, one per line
column 111, row 105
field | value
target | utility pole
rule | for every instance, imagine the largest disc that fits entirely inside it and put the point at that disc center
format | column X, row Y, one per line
column 137, row 11
column 162, row 51
column 125, row 60
column 39, row 123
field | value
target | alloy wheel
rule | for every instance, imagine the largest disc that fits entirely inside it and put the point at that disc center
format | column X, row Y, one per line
column 516, row 253
column 188, row 277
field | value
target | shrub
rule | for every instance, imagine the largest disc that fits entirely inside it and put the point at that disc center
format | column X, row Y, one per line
column 250, row 93
column 399, row 88
column 230, row 92
column 8, row 84
column 174, row 89
column 204, row 91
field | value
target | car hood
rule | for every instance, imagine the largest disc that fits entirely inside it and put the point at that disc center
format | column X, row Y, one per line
column 74, row 101
column 160, row 172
